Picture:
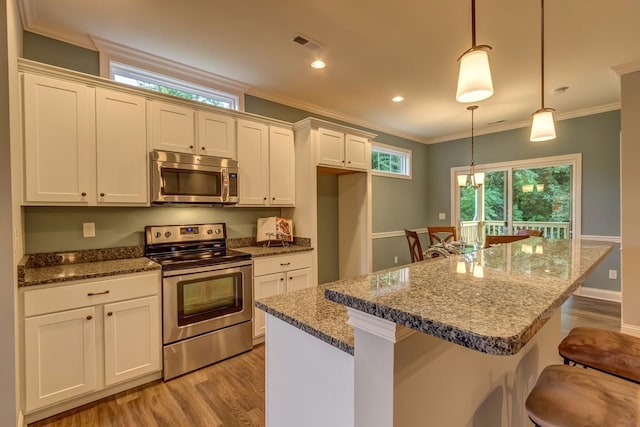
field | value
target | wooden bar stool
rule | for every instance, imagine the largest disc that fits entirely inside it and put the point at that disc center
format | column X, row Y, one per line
column 607, row 351
column 566, row 396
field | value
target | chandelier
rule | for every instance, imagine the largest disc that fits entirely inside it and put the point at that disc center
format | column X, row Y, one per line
column 542, row 127
column 474, row 179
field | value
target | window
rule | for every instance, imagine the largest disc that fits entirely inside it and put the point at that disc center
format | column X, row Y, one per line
column 390, row 161
column 164, row 84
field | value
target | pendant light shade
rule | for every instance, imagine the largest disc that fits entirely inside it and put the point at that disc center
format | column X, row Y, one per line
column 542, row 126
column 474, row 76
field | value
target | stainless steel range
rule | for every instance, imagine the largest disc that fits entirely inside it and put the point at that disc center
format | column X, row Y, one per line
column 207, row 295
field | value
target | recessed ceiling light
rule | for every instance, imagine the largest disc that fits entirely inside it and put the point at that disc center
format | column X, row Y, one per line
column 318, row 64
column 560, row 90
column 397, row 98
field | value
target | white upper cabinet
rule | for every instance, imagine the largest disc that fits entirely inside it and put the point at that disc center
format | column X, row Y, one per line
column 253, row 163
column 172, row 127
column 266, row 165
column 330, row 147
column 59, row 140
column 121, row 143
column 216, row 135
column 282, row 173
column 338, row 149
column 83, row 146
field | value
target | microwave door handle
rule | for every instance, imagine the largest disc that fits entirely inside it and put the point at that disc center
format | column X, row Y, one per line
column 225, row 185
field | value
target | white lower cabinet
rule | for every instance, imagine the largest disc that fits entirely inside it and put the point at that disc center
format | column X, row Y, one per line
column 89, row 335
column 277, row 275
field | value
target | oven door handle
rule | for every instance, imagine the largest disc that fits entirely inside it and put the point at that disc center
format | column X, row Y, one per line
column 209, row 270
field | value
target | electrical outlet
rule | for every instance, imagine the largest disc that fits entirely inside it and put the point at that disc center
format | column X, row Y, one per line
column 395, row 259
column 442, row 215
column 88, row 229
column 613, row 274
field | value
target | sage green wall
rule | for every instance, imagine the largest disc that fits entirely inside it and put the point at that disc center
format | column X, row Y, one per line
column 44, row 49
column 597, row 137
column 328, row 256
column 53, row 229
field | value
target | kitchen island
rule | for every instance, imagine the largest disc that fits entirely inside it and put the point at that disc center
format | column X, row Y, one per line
column 456, row 341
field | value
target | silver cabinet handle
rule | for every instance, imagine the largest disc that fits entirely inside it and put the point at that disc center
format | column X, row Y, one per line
column 91, row 294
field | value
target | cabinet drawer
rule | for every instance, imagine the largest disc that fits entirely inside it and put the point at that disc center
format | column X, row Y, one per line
column 278, row 264
column 99, row 291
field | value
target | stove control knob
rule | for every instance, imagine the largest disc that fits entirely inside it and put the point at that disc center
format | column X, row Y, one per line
column 167, row 234
column 158, row 234
column 218, row 231
column 209, row 231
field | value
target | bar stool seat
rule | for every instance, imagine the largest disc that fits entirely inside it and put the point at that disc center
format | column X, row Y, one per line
column 607, row 351
column 566, row 396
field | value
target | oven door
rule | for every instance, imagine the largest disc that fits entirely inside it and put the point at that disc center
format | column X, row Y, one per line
column 205, row 299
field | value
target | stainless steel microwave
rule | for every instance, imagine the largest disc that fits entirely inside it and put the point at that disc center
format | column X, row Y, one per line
column 193, row 179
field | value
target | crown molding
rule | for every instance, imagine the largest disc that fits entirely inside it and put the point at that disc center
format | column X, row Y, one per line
column 630, row 67
column 312, row 108
column 526, row 123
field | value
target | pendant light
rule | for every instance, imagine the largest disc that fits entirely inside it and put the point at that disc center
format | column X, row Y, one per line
column 474, row 77
column 474, row 179
column 542, row 127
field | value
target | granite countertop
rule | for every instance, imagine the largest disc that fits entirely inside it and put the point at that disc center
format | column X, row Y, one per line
column 49, row 268
column 493, row 300
column 259, row 251
column 310, row 311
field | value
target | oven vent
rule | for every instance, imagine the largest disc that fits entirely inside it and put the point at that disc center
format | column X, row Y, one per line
column 306, row 42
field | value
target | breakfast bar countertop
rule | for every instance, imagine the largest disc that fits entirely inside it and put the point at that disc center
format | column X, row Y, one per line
column 492, row 300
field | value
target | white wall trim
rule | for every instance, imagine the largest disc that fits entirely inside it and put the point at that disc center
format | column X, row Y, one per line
column 526, row 123
column 30, row 23
column 630, row 329
column 400, row 233
column 630, row 67
column 21, row 422
column 612, row 239
column 602, row 294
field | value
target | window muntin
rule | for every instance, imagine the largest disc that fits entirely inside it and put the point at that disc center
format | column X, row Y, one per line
column 390, row 161
column 164, row 84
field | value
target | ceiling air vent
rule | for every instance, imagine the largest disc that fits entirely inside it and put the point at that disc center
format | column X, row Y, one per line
column 306, row 42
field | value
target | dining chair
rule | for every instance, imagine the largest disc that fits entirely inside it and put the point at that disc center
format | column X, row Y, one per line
column 415, row 248
column 441, row 234
column 490, row 239
column 527, row 232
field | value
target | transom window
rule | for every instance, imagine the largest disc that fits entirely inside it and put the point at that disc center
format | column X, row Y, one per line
column 390, row 161
column 164, row 84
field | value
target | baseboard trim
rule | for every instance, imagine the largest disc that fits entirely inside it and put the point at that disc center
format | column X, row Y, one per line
column 630, row 329
column 613, row 239
column 602, row 294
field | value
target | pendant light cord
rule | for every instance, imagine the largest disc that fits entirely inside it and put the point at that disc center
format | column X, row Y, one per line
column 473, row 23
column 542, row 52
column 472, row 161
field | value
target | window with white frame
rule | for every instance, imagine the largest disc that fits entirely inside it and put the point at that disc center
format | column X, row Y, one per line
column 164, row 84
column 387, row 160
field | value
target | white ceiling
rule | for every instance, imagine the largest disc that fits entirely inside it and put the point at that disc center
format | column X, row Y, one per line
column 376, row 49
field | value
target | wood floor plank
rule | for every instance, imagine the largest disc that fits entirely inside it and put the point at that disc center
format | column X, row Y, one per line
column 231, row 393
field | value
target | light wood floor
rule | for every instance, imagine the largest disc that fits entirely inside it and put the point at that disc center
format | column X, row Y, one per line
column 231, row 393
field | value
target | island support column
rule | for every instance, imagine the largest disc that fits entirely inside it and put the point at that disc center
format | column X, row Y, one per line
column 374, row 355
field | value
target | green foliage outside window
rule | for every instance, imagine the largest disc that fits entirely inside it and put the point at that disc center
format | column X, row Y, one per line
column 386, row 162
column 182, row 94
column 549, row 198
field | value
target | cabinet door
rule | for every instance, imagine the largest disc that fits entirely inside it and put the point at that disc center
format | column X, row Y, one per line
column 132, row 343
column 357, row 154
column 253, row 158
column 121, row 144
column 330, row 147
column 216, row 135
column 282, row 163
column 298, row 279
column 172, row 127
column 60, row 356
column 59, row 141
column 265, row 286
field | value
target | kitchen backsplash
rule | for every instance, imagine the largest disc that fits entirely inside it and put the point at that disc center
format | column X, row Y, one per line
column 51, row 229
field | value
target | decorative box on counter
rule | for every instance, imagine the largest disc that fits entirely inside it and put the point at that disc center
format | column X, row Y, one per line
column 274, row 230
